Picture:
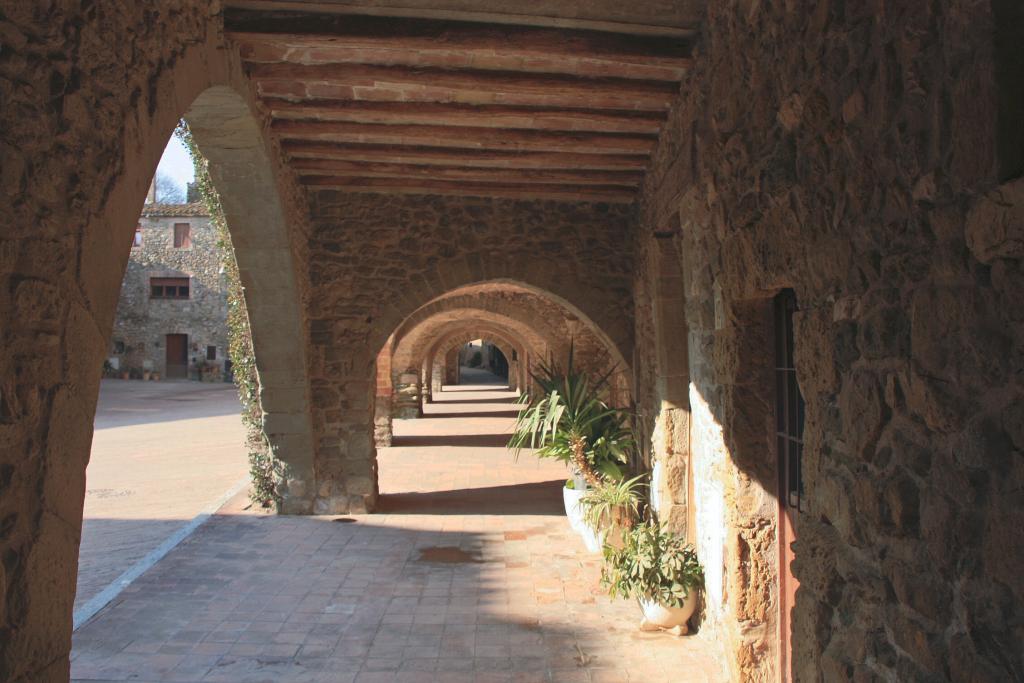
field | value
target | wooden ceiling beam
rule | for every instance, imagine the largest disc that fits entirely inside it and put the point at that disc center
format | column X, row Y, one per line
column 675, row 20
column 432, row 36
column 464, row 137
column 321, row 52
column 476, row 158
column 454, row 114
column 347, row 169
column 576, row 193
column 389, row 83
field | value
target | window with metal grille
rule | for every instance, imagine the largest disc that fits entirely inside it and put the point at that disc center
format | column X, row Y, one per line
column 211, row 353
column 789, row 405
column 182, row 235
column 168, row 288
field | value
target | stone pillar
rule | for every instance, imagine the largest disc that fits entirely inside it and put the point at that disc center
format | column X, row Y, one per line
column 346, row 455
column 406, row 397
column 513, row 375
column 437, row 375
column 671, row 438
column 382, row 403
column 451, row 367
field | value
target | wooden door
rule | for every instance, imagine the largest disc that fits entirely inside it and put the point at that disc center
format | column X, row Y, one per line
column 789, row 416
column 177, row 356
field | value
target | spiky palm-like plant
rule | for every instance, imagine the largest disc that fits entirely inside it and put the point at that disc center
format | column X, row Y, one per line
column 568, row 421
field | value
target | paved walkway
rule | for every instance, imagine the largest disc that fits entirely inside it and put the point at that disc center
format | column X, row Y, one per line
column 162, row 452
column 469, row 575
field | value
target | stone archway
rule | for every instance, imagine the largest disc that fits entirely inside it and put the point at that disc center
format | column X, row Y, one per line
column 67, row 288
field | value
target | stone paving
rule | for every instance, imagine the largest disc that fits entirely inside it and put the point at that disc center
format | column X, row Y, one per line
column 470, row 574
column 162, row 452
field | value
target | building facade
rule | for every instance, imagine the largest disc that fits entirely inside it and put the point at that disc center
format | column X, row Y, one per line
column 172, row 312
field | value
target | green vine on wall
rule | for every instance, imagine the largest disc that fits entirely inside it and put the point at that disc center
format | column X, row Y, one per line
column 264, row 469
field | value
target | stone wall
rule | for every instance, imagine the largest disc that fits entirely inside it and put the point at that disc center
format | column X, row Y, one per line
column 848, row 151
column 376, row 259
column 142, row 322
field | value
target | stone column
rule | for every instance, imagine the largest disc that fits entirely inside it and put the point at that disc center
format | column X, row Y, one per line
column 346, row 455
column 451, row 367
column 406, row 397
column 671, row 438
column 437, row 375
column 382, row 404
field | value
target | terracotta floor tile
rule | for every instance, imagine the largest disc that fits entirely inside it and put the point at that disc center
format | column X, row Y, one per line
column 251, row 597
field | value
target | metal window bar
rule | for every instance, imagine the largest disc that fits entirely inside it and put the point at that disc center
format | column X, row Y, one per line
column 789, row 404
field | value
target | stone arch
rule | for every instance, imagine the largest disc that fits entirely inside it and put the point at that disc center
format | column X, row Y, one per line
column 69, row 280
column 413, row 358
column 242, row 171
column 615, row 334
column 455, row 339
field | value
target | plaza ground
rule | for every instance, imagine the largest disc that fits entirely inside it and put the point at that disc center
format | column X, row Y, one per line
column 162, row 453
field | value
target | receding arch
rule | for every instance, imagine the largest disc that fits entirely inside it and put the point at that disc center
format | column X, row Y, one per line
column 615, row 334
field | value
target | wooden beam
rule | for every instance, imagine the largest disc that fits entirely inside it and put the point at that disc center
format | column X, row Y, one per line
column 394, row 83
column 682, row 28
column 349, row 169
column 454, row 114
column 261, row 49
column 476, row 158
column 576, row 193
column 470, row 138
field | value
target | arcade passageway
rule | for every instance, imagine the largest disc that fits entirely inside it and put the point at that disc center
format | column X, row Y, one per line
column 469, row 573
column 791, row 233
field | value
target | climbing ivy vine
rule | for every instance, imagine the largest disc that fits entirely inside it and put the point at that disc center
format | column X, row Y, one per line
column 263, row 467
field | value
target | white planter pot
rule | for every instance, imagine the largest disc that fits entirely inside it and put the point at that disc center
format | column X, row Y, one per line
column 658, row 617
column 573, row 509
column 593, row 540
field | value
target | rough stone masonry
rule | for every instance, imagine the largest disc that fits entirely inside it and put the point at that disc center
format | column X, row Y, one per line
column 662, row 172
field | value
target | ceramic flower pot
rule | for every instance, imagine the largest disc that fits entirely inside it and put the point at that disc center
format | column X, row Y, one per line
column 593, row 539
column 573, row 509
column 673, row 619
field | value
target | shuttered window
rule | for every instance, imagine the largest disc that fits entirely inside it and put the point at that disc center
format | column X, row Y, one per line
column 168, row 288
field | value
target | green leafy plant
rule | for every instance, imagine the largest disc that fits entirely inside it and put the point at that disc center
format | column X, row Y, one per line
column 568, row 421
column 613, row 502
column 653, row 563
column 264, row 469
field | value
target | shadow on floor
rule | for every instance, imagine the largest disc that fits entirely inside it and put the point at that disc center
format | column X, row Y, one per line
column 539, row 498
column 482, row 413
column 452, row 440
column 474, row 401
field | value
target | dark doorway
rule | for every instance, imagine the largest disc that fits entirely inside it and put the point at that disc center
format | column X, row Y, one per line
column 177, row 356
column 789, row 431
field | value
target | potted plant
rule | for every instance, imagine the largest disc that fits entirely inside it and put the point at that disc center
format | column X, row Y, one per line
column 611, row 509
column 660, row 570
column 567, row 420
